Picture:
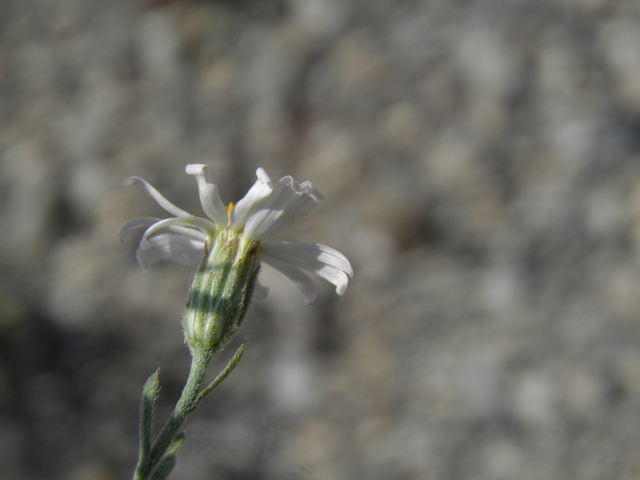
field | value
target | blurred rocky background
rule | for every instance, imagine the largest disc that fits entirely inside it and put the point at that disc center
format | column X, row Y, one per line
column 481, row 162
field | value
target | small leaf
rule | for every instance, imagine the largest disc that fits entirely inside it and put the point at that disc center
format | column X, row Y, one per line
column 224, row 374
column 164, row 468
column 147, row 402
column 177, row 442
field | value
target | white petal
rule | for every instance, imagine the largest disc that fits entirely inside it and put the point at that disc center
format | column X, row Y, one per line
column 319, row 259
column 187, row 226
column 157, row 196
column 298, row 277
column 263, row 176
column 141, row 222
column 172, row 247
column 288, row 202
column 256, row 194
column 138, row 222
column 260, row 291
column 191, row 232
column 209, row 196
column 146, row 258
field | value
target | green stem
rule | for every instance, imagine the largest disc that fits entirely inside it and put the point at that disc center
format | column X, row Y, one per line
column 186, row 404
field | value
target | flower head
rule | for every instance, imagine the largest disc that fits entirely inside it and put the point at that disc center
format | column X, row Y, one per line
column 267, row 209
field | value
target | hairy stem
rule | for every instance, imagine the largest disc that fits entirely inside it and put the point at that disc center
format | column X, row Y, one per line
column 186, row 404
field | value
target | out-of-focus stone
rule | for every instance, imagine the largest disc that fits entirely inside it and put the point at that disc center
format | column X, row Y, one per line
column 402, row 127
column 318, row 445
column 560, row 73
column 35, row 66
column 88, row 125
column 583, row 392
column 373, row 251
column 360, row 66
column 88, row 187
column 620, row 40
column 488, row 119
column 535, row 399
column 490, row 65
column 503, row 460
column 268, row 131
column 450, row 159
column 591, row 7
column 503, row 289
column 606, row 215
column 622, row 292
column 292, row 383
column 159, row 46
column 315, row 20
column 571, row 135
column 28, row 197
column 218, row 82
column 76, row 280
column 331, row 158
column 91, row 471
column 628, row 371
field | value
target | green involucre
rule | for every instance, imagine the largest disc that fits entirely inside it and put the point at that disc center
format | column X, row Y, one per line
column 220, row 295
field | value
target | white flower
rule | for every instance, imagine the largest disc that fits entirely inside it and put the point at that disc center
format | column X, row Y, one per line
column 266, row 210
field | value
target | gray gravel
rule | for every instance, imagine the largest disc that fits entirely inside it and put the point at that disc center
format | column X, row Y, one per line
column 481, row 162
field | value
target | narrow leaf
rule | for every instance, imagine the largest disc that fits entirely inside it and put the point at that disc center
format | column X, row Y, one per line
column 224, row 374
column 164, row 468
column 177, row 442
column 147, row 402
